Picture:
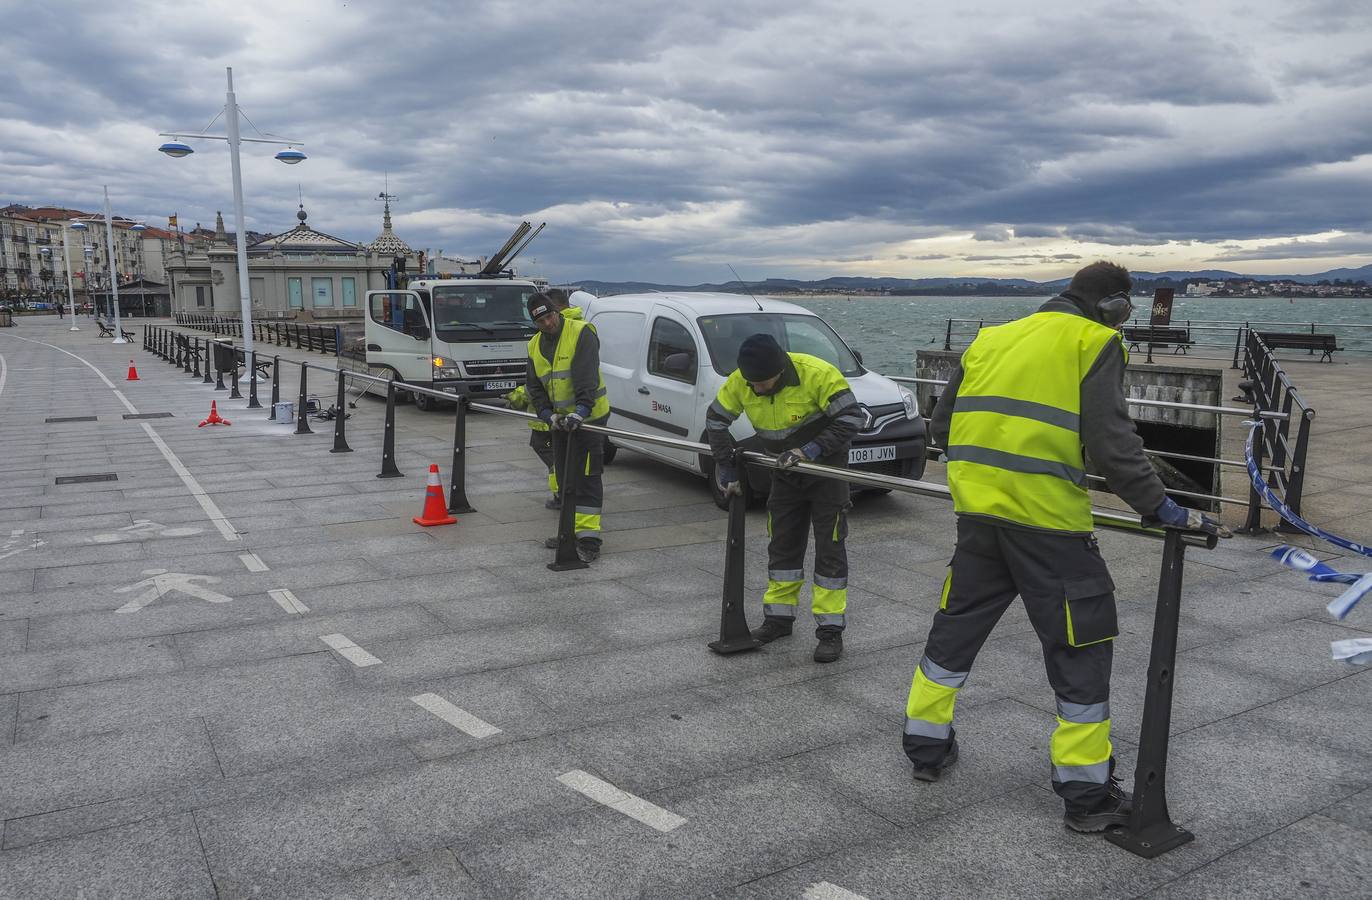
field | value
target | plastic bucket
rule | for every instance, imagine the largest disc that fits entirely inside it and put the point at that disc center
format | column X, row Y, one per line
column 285, row 412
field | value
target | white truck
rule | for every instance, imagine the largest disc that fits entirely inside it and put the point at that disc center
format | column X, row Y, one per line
column 665, row 356
column 456, row 335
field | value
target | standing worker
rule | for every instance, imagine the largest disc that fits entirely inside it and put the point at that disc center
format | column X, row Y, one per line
column 541, row 440
column 803, row 410
column 1014, row 418
column 566, row 390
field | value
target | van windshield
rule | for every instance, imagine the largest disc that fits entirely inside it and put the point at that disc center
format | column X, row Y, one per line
column 795, row 332
column 462, row 310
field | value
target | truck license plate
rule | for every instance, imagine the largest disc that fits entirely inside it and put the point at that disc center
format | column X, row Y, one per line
column 871, row 454
column 500, row 385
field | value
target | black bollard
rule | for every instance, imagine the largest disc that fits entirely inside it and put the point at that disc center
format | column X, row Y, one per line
column 340, row 440
column 234, row 393
column 734, row 636
column 302, row 419
column 195, row 357
column 567, row 479
column 218, row 372
column 457, row 491
column 186, row 354
column 388, row 469
column 1151, row 831
column 253, row 402
column 206, row 346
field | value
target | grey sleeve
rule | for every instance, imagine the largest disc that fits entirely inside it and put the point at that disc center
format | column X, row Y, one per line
column 538, row 397
column 845, row 421
column 586, row 368
column 1111, row 441
column 941, row 422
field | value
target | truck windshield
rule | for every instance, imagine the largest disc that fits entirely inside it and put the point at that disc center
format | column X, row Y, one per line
column 795, row 332
column 462, row 310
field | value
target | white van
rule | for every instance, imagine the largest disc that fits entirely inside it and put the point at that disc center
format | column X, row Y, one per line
column 665, row 356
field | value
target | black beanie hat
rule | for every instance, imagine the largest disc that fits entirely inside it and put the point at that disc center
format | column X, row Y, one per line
column 760, row 357
column 539, row 305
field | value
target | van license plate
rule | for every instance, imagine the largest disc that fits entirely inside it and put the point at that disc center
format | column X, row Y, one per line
column 871, row 454
column 500, row 385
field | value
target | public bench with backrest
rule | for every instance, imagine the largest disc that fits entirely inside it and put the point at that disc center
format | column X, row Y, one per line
column 264, row 363
column 1158, row 336
column 1327, row 344
column 105, row 330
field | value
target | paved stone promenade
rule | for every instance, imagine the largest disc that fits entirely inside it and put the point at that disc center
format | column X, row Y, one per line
column 239, row 670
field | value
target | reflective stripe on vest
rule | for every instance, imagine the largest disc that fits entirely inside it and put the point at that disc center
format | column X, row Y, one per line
column 556, row 375
column 1014, row 446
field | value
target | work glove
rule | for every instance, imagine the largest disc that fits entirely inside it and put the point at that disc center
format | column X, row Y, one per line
column 572, row 421
column 1169, row 513
column 548, row 416
column 726, row 476
column 790, row 458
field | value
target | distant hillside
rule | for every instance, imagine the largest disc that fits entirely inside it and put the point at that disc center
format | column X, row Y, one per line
column 959, row 284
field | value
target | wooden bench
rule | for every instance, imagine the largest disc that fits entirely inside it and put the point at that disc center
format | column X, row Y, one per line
column 264, row 364
column 128, row 335
column 1158, row 336
column 1327, row 344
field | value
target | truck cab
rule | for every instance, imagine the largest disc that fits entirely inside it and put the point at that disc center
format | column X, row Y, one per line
column 664, row 358
column 455, row 335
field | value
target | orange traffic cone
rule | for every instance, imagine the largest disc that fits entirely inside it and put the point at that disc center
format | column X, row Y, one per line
column 435, row 507
column 133, row 373
column 215, row 418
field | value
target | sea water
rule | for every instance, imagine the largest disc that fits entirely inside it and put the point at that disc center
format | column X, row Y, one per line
column 889, row 330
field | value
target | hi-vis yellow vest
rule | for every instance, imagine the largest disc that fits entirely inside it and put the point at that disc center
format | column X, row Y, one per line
column 1014, row 448
column 556, row 374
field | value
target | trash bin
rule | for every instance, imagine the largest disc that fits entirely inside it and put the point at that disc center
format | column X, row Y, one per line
column 6, row 319
column 224, row 356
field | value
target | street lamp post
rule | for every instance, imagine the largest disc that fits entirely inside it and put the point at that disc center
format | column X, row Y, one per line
column 114, row 271
column 289, row 156
column 66, row 263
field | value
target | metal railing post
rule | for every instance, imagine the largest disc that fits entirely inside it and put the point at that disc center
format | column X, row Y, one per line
column 567, row 481
column 734, row 636
column 948, row 336
column 207, row 380
column 302, row 420
column 1295, row 483
column 340, row 439
column 1151, row 831
column 253, row 402
column 234, row 393
column 276, row 386
column 218, row 372
column 388, row 469
column 457, row 490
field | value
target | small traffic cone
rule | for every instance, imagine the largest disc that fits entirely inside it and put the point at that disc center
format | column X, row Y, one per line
column 435, row 507
column 215, row 418
column 133, row 373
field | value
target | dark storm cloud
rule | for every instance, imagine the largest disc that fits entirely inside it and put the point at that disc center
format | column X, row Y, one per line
column 662, row 138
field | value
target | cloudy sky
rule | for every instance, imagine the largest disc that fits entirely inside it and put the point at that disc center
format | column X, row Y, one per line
column 662, row 140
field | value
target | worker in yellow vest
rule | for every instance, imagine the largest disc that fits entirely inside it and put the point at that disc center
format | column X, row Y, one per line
column 541, row 440
column 566, row 390
column 804, row 411
column 1025, row 401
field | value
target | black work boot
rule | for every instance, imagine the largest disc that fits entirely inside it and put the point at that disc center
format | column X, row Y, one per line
column 830, row 646
column 934, row 773
column 588, row 549
column 552, row 543
column 553, row 502
column 1112, row 810
column 772, row 627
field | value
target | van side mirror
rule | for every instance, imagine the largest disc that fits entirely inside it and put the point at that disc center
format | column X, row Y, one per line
column 677, row 363
column 420, row 332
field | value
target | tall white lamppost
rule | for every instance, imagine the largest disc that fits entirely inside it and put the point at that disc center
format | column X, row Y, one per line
column 114, row 270
column 66, row 262
column 290, row 156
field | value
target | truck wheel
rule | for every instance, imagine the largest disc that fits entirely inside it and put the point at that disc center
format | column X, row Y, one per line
column 424, row 402
column 609, row 452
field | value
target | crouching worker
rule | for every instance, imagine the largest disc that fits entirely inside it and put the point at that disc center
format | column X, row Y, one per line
column 540, row 439
column 802, row 410
column 1026, row 400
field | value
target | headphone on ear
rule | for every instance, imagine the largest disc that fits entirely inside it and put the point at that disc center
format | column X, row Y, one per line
column 1115, row 309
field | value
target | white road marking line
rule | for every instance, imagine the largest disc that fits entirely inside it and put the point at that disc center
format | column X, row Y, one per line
column 209, row 506
column 4, row 371
column 211, row 509
column 621, row 801
column 287, row 601
column 456, row 716
column 826, row 891
column 349, row 651
column 252, row 562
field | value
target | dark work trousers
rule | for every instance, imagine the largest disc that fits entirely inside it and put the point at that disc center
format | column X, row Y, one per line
column 542, row 444
column 589, row 493
column 1070, row 599
column 797, row 505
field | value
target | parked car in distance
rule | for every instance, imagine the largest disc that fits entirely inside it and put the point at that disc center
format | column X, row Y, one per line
column 665, row 356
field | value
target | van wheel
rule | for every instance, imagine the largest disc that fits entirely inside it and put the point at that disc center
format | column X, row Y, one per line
column 424, row 402
column 609, row 452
